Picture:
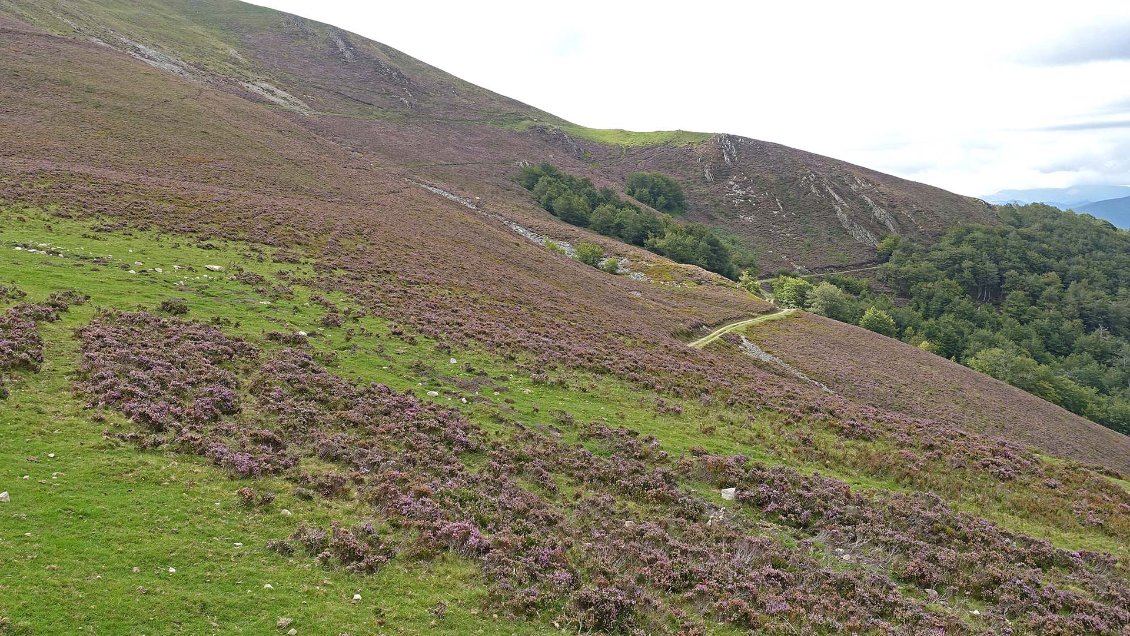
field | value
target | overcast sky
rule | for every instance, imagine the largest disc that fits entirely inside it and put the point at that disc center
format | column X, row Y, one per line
column 970, row 96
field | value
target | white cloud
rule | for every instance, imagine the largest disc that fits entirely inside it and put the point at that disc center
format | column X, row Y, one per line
column 963, row 95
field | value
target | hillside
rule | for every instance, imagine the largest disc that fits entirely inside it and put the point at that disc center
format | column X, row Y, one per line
column 886, row 373
column 284, row 346
column 797, row 209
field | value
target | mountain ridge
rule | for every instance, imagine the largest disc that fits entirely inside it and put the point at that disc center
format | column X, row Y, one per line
column 797, row 209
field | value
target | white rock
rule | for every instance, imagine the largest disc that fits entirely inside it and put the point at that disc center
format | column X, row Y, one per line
column 286, row 513
column 291, row 632
column 729, row 494
column 5, row 497
column 238, row 545
column 356, row 597
column 453, row 361
column 172, row 570
column 975, row 612
column 51, row 455
column 214, row 268
column 463, row 400
column 268, row 586
column 302, row 333
column 433, row 393
column 158, row 270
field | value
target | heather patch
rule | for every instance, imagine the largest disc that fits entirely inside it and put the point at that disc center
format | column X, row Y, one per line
column 607, row 534
column 21, row 347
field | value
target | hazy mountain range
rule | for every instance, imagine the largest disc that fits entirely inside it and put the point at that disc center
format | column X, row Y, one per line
column 1110, row 202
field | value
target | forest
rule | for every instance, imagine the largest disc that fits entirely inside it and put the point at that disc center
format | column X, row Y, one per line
column 577, row 201
column 1041, row 301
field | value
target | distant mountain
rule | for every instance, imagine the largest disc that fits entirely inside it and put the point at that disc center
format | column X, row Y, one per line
column 1063, row 198
column 1109, row 202
column 1117, row 211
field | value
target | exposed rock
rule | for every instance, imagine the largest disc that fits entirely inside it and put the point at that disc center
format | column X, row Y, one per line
column 284, row 622
column 5, row 497
column 214, row 268
column 729, row 494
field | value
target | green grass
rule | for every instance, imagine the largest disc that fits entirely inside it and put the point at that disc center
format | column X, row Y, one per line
column 619, row 137
column 84, row 519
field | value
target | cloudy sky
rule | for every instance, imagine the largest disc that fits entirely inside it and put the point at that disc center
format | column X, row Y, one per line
column 970, row 96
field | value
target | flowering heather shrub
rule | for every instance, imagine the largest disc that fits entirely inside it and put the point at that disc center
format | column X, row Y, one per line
column 172, row 378
column 174, row 306
column 21, row 347
column 609, row 541
column 614, row 541
column 11, row 292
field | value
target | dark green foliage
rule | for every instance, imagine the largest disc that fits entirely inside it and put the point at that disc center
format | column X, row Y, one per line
column 1041, row 302
column 577, row 201
column 657, row 190
column 174, row 306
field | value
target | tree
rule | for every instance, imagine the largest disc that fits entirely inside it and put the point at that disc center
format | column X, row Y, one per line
column 590, row 254
column 748, row 281
column 791, row 291
column 828, row 300
column 879, row 321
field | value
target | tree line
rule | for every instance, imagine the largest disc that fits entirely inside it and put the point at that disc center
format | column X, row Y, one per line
column 1041, row 301
column 577, row 201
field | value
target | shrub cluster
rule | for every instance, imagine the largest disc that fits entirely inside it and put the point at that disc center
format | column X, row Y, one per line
column 577, row 201
column 21, row 347
column 606, row 534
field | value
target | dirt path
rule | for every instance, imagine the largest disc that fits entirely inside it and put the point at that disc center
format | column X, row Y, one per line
column 725, row 329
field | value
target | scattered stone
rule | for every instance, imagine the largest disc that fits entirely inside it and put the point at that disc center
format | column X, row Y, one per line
column 356, row 598
column 5, row 497
column 286, row 513
column 302, row 333
column 433, row 393
column 975, row 612
column 729, row 494
column 172, row 570
column 268, row 586
column 453, row 361
column 158, row 270
column 284, row 622
column 136, row 570
column 51, row 455
column 291, row 632
column 214, row 268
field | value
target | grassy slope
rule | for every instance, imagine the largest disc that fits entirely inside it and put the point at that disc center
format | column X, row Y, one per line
column 85, row 518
